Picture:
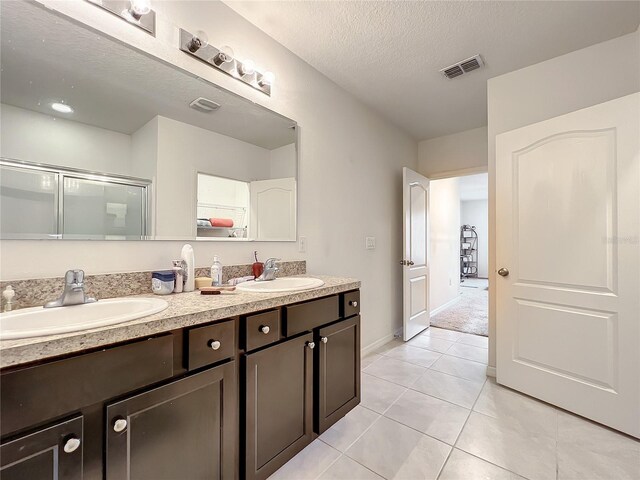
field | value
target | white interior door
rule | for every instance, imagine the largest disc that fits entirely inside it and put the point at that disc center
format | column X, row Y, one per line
column 272, row 214
column 568, row 232
column 415, row 263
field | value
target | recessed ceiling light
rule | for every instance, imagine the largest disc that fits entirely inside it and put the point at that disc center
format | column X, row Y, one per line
column 62, row 107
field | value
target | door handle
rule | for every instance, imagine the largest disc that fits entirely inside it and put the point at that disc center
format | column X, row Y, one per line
column 503, row 272
column 406, row 262
column 403, row 262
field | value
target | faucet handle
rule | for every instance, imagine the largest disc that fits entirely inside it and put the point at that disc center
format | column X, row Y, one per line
column 74, row 277
column 271, row 262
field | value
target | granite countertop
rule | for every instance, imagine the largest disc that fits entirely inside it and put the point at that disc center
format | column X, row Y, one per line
column 185, row 310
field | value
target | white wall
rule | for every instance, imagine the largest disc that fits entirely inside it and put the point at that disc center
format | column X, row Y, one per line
column 458, row 151
column 283, row 161
column 476, row 212
column 561, row 85
column 350, row 169
column 444, row 237
column 35, row 137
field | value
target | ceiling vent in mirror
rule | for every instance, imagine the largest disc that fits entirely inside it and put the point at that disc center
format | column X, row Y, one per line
column 204, row 105
column 462, row 67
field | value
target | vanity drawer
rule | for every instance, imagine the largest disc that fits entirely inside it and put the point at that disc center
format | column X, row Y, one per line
column 35, row 394
column 210, row 344
column 309, row 315
column 261, row 329
column 350, row 304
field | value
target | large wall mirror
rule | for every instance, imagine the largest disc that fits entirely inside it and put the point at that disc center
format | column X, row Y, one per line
column 100, row 141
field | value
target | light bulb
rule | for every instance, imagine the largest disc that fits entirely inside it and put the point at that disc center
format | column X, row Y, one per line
column 136, row 10
column 267, row 79
column 199, row 40
column 62, row 107
column 141, row 7
column 225, row 55
column 247, row 67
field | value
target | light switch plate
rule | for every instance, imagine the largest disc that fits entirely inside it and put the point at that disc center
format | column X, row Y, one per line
column 370, row 243
column 302, row 244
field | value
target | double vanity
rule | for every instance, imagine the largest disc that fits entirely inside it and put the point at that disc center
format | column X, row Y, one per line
column 226, row 386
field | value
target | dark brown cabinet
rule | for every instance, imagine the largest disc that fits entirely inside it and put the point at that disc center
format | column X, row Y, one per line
column 184, row 429
column 235, row 398
column 278, row 406
column 337, row 372
column 51, row 453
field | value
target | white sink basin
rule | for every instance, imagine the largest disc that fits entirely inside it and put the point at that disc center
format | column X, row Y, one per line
column 38, row 321
column 284, row 284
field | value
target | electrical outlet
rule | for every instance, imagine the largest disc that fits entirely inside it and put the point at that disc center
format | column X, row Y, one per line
column 370, row 243
column 302, row 244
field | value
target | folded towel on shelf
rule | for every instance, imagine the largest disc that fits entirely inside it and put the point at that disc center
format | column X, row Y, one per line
column 221, row 222
column 203, row 222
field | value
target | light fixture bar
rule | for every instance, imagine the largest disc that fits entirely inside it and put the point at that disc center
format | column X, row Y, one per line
column 235, row 68
column 126, row 11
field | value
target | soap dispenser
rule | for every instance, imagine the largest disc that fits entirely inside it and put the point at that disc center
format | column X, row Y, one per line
column 8, row 295
column 216, row 272
column 188, row 258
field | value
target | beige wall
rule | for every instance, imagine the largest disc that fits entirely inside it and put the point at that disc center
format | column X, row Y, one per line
column 350, row 169
column 465, row 150
column 561, row 85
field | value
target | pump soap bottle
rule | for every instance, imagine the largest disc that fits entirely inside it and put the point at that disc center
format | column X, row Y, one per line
column 216, row 272
column 189, row 271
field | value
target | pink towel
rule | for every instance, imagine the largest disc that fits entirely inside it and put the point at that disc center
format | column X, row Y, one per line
column 221, row 222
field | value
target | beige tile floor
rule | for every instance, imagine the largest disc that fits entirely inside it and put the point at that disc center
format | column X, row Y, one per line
column 429, row 412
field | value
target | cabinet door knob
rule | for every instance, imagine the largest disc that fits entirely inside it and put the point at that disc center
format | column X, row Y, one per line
column 71, row 445
column 503, row 272
column 265, row 329
column 311, row 345
column 214, row 344
column 410, row 262
column 324, row 339
column 119, row 425
column 353, row 303
column 403, row 262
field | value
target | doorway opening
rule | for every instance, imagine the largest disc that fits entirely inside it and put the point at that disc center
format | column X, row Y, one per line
column 459, row 237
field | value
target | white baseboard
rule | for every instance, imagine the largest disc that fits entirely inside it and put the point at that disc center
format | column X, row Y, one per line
column 491, row 371
column 378, row 343
column 435, row 311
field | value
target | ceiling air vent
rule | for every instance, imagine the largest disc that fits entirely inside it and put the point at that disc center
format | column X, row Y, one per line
column 204, row 105
column 465, row 66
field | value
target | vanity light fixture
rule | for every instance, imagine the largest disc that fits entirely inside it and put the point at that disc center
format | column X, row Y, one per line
column 223, row 59
column 136, row 12
column 62, row 107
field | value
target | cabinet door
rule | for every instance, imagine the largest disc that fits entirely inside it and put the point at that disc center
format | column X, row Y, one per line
column 185, row 429
column 278, row 396
column 52, row 453
column 337, row 372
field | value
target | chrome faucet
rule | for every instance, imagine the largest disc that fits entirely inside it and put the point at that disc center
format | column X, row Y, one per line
column 270, row 270
column 74, row 293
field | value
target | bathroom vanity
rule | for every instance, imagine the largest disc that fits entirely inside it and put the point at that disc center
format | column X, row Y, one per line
column 213, row 387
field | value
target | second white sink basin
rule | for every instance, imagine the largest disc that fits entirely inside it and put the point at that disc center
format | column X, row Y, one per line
column 283, row 284
column 38, row 321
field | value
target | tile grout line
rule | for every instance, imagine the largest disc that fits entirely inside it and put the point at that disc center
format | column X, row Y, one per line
column 461, row 430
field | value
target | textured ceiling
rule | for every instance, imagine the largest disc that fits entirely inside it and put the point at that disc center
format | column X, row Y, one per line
column 388, row 53
column 47, row 59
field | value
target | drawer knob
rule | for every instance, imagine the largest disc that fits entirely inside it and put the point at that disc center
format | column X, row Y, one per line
column 311, row 345
column 214, row 344
column 119, row 425
column 71, row 445
column 265, row 329
column 324, row 339
column 353, row 303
